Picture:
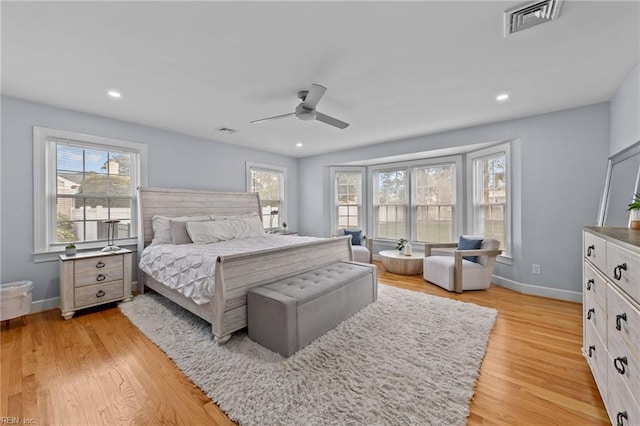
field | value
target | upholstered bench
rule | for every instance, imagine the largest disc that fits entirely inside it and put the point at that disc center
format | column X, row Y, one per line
column 287, row 315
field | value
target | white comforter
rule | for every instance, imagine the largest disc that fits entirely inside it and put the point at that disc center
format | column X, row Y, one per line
column 190, row 268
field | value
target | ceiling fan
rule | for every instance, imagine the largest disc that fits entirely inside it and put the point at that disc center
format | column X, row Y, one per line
column 306, row 110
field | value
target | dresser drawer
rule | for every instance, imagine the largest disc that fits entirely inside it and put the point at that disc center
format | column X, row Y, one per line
column 624, row 363
column 99, row 293
column 596, row 316
column 623, row 268
column 594, row 286
column 595, row 249
column 596, row 354
column 623, row 320
column 622, row 407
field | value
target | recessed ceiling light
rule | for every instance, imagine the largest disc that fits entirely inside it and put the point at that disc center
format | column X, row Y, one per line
column 299, row 144
column 114, row 94
column 502, row 97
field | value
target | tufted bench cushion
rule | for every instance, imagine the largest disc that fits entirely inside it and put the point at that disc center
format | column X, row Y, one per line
column 287, row 315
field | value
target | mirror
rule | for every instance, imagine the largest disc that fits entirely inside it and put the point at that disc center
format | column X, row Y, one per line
column 620, row 185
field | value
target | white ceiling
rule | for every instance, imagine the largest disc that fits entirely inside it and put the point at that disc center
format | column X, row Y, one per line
column 393, row 70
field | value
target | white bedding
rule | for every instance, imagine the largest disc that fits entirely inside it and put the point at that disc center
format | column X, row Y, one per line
column 190, row 268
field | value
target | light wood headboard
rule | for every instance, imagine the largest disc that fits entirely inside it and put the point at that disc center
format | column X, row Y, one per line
column 189, row 202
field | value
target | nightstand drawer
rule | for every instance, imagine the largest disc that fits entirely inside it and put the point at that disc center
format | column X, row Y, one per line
column 97, row 264
column 98, row 276
column 99, row 293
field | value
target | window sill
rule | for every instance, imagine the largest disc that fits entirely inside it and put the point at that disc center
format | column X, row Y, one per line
column 52, row 255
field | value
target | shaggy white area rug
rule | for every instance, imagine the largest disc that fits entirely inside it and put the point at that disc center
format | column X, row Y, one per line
column 407, row 359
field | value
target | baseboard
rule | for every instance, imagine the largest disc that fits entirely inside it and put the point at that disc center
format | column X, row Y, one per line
column 536, row 290
column 53, row 303
column 45, row 305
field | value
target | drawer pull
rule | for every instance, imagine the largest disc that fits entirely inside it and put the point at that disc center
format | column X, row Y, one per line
column 100, row 277
column 619, row 319
column 590, row 283
column 592, row 349
column 100, row 265
column 590, row 249
column 617, row 271
column 591, row 312
column 100, row 293
column 621, row 417
column 622, row 361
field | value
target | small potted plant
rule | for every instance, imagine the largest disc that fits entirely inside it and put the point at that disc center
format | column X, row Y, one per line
column 404, row 247
column 70, row 249
column 634, row 208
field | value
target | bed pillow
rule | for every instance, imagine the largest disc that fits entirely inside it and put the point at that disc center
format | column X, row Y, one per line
column 356, row 236
column 162, row 230
column 224, row 230
column 469, row 244
column 178, row 229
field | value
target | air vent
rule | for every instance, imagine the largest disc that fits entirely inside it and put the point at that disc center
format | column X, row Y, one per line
column 530, row 14
column 226, row 130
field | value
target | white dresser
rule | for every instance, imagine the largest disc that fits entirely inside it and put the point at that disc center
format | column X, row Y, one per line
column 611, row 302
column 93, row 278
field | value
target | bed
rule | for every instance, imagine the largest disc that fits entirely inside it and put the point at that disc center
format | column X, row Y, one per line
column 235, row 274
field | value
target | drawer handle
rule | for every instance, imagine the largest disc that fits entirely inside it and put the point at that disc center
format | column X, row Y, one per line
column 590, row 249
column 623, row 363
column 617, row 271
column 100, row 293
column 100, row 265
column 592, row 349
column 100, row 277
column 590, row 283
column 621, row 417
column 591, row 312
column 619, row 319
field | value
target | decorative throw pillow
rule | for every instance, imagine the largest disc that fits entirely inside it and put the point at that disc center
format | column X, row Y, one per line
column 178, row 229
column 469, row 244
column 161, row 227
column 356, row 236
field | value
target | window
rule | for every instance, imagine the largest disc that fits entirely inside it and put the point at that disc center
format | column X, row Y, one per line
column 490, row 206
column 269, row 183
column 347, row 198
column 435, row 196
column 390, row 203
column 81, row 181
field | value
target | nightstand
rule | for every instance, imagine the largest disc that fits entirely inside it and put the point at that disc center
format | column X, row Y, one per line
column 93, row 278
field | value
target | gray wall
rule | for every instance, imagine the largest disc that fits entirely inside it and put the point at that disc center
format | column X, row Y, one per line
column 559, row 163
column 175, row 160
column 625, row 112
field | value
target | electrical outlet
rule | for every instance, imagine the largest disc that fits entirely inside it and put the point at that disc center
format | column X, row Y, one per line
column 535, row 269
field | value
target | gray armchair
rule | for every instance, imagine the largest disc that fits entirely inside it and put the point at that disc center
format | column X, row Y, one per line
column 362, row 252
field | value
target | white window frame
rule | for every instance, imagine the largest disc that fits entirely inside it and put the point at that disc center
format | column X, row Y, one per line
column 334, row 170
column 410, row 166
column 472, row 222
column 44, row 186
column 374, row 188
column 458, row 197
column 250, row 165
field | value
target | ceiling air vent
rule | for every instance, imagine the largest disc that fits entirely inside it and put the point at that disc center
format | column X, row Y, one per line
column 530, row 14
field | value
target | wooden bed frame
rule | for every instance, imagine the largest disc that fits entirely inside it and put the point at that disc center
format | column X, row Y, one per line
column 235, row 274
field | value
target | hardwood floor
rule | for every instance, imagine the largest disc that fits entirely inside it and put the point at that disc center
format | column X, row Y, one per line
column 99, row 369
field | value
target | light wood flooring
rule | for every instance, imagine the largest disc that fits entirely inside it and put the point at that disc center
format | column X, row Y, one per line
column 99, row 369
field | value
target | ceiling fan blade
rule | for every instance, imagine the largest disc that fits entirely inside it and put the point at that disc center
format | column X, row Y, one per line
column 330, row 120
column 313, row 97
column 275, row 117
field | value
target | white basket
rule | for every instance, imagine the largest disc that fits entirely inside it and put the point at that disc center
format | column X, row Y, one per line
column 15, row 299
